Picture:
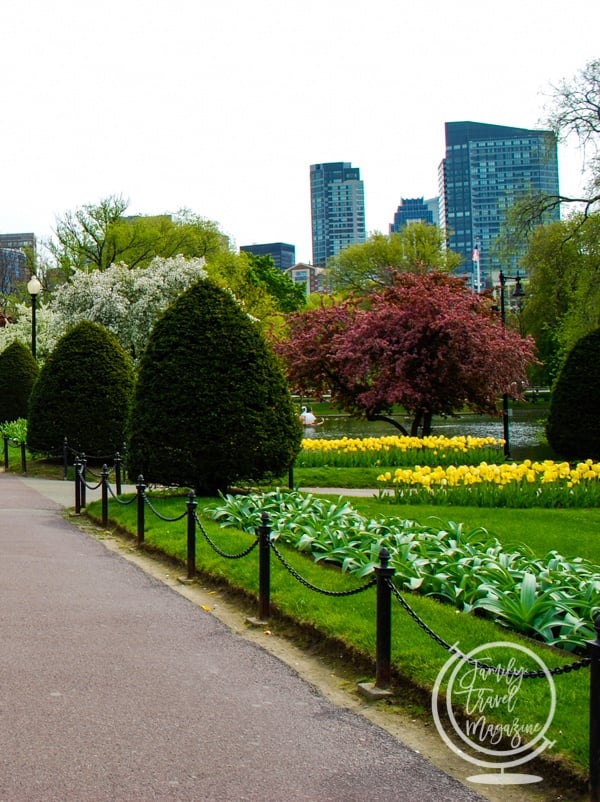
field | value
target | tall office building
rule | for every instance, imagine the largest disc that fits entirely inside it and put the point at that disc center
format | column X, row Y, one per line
column 337, row 209
column 283, row 255
column 412, row 210
column 487, row 168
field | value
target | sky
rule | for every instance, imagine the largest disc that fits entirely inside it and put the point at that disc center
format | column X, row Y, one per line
column 221, row 106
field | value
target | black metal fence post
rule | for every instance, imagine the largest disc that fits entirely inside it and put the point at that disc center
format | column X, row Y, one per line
column 23, row 458
column 594, row 653
column 5, row 452
column 264, row 576
column 118, row 473
column 77, row 466
column 141, row 487
column 383, row 659
column 104, row 475
column 65, row 458
column 82, row 480
column 191, row 504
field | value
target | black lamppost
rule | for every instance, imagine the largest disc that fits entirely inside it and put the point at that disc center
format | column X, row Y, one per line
column 517, row 295
column 34, row 287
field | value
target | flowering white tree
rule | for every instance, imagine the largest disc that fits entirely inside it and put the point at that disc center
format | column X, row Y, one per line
column 47, row 330
column 126, row 301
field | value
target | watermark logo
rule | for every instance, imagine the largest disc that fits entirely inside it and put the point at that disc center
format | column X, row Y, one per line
column 487, row 720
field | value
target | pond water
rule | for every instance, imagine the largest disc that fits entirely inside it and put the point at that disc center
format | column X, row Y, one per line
column 526, row 430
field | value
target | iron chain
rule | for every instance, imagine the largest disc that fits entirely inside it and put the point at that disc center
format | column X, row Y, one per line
column 219, row 551
column 484, row 666
column 163, row 517
column 307, row 584
column 119, row 500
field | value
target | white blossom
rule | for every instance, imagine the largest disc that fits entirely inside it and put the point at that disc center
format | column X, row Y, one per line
column 48, row 331
column 126, row 301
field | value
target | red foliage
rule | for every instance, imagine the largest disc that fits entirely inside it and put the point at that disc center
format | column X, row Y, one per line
column 426, row 342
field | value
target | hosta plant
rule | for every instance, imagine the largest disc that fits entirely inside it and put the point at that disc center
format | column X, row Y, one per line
column 552, row 598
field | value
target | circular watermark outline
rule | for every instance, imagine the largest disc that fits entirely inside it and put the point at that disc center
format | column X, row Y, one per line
column 533, row 747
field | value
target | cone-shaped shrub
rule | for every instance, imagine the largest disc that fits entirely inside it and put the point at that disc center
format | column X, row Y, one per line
column 83, row 392
column 18, row 373
column 573, row 428
column 212, row 406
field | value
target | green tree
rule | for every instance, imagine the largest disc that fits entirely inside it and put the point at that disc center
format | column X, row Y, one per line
column 572, row 427
column 83, row 393
column 211, row 404
column 95, row 236
column 258, row 289
column 563, row 291
column 417, row 248
column 18, row 373
column 263, row 272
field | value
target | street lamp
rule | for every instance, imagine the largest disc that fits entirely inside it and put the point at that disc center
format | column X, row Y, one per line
column 518, row 296
column 34, row 287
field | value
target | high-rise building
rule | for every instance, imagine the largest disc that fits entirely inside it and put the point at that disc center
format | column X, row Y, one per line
column 486, row 170
column 337, row 209
column 14, row 249
column 433, row 204
column 412, row 210
column 283, row 255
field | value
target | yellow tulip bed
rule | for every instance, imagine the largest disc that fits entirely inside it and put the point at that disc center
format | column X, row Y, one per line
column 396, row 451
column 526, row 484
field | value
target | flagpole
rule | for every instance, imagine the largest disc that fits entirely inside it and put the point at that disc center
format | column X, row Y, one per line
column 476, row 259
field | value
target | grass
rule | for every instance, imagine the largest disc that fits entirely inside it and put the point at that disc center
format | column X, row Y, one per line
column 349, row 622
column 573, row 532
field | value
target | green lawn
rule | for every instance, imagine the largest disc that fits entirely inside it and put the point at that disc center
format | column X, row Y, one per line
column 572, row 532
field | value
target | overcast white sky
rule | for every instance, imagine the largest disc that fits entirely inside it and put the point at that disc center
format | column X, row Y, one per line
column 220, row 106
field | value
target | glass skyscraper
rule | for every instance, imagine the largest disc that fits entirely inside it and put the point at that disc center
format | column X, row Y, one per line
column 337, row 209
column 487, row 168
column 411, row 210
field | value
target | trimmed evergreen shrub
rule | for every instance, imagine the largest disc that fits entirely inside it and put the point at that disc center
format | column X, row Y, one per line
column 18, row 373
column 83, row 392
column 573, row 427
column 212, row 406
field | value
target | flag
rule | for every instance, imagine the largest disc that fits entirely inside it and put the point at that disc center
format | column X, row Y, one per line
column 475, row 256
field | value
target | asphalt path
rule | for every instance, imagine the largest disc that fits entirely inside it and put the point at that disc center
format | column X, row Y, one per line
column 115, row 687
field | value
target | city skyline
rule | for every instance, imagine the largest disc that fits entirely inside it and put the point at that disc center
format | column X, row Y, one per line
column 221, row 108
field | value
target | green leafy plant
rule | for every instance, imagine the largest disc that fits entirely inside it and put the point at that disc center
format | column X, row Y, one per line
column 552, row 599
column 15, row 430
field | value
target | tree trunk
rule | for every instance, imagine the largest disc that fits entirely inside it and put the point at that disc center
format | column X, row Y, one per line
column 414, row 429
column 387, row 419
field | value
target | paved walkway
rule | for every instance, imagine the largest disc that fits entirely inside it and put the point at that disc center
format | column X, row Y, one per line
column 115, row 688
